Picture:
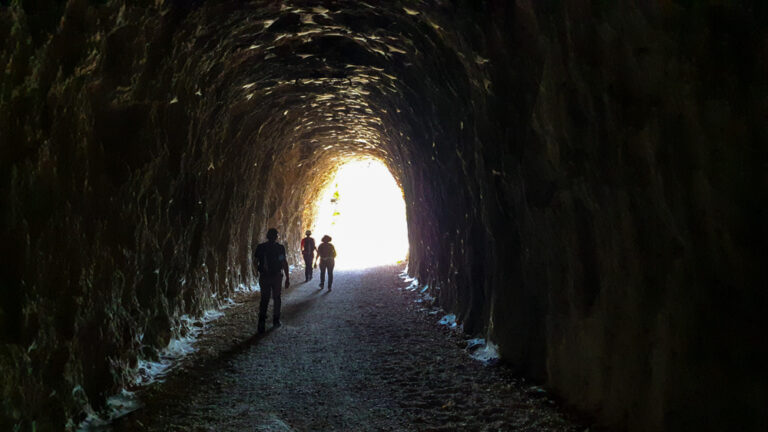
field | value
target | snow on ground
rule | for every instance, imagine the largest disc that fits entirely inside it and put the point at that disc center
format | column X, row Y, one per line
column 149, row 371
column 242, row 288
column 483, row 351
column 449, row 320
column 117, row 406
column 479, row 349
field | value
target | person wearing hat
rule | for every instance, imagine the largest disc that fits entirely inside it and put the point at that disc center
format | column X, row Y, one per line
column 308, row 252
column 327, row 254
column 271, row 262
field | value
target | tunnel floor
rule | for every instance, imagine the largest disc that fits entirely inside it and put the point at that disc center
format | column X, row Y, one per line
column 365, row 356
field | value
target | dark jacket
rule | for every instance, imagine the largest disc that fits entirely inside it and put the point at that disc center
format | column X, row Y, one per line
column 269, row 258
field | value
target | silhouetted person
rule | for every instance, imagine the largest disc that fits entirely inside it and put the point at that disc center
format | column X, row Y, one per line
column 308, row 252
column 270, row 262
column 327, row 253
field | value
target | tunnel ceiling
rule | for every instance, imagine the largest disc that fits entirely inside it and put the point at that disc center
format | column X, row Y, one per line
column 324, row 83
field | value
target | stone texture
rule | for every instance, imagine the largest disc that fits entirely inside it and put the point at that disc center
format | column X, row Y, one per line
column 585, row 183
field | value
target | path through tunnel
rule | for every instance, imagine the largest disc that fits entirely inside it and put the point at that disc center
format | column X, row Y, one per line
column 582, row 183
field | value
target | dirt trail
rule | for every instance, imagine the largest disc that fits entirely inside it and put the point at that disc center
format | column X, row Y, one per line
column 360, row 358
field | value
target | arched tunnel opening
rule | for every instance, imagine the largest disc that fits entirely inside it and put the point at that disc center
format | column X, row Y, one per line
column 362, row 210
column 583, row 183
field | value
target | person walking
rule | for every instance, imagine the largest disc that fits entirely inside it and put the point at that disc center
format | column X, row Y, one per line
column 271, row 262
column 308, row 252
column 327, row 254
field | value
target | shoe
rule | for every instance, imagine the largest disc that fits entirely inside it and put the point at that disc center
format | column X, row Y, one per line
column 321, row 285
column 261, row 328
column 329, row 288
column 276, row 324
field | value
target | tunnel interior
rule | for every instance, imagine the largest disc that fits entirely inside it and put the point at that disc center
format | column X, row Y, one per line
column 582, row 183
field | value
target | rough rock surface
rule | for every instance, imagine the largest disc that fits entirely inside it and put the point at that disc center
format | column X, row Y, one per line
column 362, row 357
column 584, row 180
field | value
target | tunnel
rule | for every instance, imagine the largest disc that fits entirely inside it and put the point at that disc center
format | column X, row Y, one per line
column 584, row 183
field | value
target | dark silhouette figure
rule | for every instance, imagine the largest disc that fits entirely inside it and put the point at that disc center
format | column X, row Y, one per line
column 327, row 254
column 271, row 263
column 308, row 252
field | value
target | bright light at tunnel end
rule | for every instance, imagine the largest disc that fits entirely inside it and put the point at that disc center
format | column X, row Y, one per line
column 363, row 210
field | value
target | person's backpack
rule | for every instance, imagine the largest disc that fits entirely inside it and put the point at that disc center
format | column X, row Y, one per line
column 270, row 258
column 326, row 250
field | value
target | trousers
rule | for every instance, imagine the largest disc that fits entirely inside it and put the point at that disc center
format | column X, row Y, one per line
column 271, row 286
column 326, row 264
column 308, row 266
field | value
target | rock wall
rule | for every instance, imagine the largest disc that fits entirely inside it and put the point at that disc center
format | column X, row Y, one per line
column 123, row 207
column 584, row 181
column 617, row 242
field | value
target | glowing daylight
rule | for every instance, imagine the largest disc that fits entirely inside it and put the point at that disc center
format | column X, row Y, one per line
column 363, row 210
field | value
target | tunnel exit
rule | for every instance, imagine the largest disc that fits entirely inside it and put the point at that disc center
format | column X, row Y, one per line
column 363, row 210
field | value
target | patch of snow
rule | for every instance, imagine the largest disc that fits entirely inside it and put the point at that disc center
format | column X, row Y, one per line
column 211, row 315
column 246, row 289
column 117, row 406
column 273, row 424
column 485, row 352
column 404, row 276
column 149, row 371
column 227, row 303
column 474, row 344
column 479, row 349
column 448, row 320
column 180, row 347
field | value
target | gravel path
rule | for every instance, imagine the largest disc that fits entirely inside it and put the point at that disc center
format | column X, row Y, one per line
column 364, row 357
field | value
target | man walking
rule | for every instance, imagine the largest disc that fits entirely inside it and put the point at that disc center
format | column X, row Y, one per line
column 308, row 252
column 270, row 262
column 327, row 254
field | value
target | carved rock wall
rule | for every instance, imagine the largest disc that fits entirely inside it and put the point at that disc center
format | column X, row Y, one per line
column 584, row 183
